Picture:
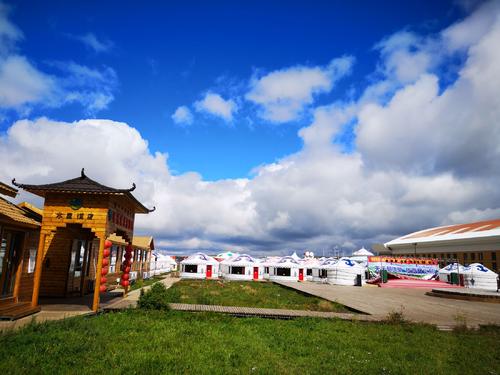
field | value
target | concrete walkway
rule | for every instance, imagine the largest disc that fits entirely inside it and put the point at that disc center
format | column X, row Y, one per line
column 57, row 309
column 414, row 303
column 130, row 301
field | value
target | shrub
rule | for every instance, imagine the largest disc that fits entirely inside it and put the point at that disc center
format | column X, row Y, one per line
column 155, row 298
column 396, row 317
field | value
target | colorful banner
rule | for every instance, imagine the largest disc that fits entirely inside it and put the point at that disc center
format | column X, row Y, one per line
column 420, row 268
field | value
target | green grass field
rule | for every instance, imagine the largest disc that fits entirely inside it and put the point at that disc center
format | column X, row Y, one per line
column 246, row 294
column 141, row 342
column 142, row 283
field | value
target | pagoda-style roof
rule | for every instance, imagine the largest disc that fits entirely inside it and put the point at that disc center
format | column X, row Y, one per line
column 83, row 185
column 143, row 242
column 13, row 214
column 7, row 190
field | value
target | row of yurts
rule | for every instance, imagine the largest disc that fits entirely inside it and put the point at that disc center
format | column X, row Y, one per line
column 339, row 271
column 232, row 266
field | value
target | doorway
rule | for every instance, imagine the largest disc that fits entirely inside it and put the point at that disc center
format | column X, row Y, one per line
column 301, row 274
column 11, row 247
column 256, row 273
column 79, row 266
column 209, row 271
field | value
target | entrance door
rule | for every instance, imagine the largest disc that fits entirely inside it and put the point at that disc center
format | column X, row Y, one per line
column 256, row 273
column 209, row 271
column 79, row 252
column 301, row 274
column 10, row 255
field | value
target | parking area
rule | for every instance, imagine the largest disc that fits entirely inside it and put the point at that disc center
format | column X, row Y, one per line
column 415, row 304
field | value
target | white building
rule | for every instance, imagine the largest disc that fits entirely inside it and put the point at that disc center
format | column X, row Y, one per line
column 199, row 266
column 346, row 272
column 160, row 263
column 286, row 269
column 242, row 267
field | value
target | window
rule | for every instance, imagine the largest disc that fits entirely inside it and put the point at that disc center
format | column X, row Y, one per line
column 466, row 256
column 266, row 270
column 472, row 256
column 494, row 266
column 114, row 251
column 455, row 256
column 283, row 271
column 323, row 273
column 493, row 255
column 32, row 260
column 237, row 270
column 480, row 256
column 190, row 268
column 309, row 272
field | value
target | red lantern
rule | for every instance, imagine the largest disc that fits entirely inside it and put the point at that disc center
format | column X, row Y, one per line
column 125, row 276
column 103, row 280
column 102, row 288
column 125, row 283
column 105, row 262
column 126, row 270
column 129, row 247
column 106, row 253
column 107, row 244
column 128, row 262
column 128, row 256
column 104, row 271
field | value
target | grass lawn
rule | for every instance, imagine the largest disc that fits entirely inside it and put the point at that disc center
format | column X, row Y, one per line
column 142, row 283
column 145, row 342
column 247, row 294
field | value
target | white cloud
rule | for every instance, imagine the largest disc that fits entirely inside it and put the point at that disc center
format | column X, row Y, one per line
column 23, row 85
column 426, row 156
column 282, row 95
column 183, row 115
column 91, row 41
column 214, row 104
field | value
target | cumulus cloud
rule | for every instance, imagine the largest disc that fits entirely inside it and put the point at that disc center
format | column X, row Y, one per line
column 282, row 95
column 426, row 156
column 215, row 105
column 23, row 85
column 183, row 116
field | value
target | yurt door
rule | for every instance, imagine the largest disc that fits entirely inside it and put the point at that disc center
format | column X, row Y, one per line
column 209, row 271
column 301, row 274
column 255, row 273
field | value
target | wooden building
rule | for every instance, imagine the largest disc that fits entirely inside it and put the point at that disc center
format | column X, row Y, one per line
column 477, row 242
column 143, row 246
column 19, row 234
column 79, row 216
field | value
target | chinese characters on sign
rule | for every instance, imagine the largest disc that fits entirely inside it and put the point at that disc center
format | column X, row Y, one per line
column 79, row 216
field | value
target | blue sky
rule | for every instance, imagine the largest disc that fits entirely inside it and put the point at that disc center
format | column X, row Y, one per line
column 168, row 55
column 256, row 126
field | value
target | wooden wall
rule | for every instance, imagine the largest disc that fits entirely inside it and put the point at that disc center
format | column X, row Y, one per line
column 26, row 283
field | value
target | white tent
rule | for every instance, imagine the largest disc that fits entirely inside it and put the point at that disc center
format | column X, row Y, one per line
column 345, row 272
column 444, row 273
column 309, row 264
column 199, row 266
column 226, row 255
column 242, row 267
column 320, row 271
column 286, row 269
column 295, row 256
column 363, row 252
column 160, row 263
column 480, row 277
column 266, row 263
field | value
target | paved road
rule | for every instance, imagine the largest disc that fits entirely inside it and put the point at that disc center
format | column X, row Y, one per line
column 416, row 306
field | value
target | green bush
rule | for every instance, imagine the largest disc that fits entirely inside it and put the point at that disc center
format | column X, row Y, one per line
column 155, row 298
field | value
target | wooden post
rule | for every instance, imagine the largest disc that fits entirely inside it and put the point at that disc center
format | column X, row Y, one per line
column 97, row 292
column 37, row 277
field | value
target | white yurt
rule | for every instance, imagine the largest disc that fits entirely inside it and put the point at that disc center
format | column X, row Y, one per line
column 199, row 266
column 226, row 255
column 160, row 263
column 346, row 272
column 286, row 269
column 361, row 256
column 309, row 264
column 266, row 263
column 295, row 256
column 319, row 272
column 444, row 273
column 480, row 277
column 242, row 267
